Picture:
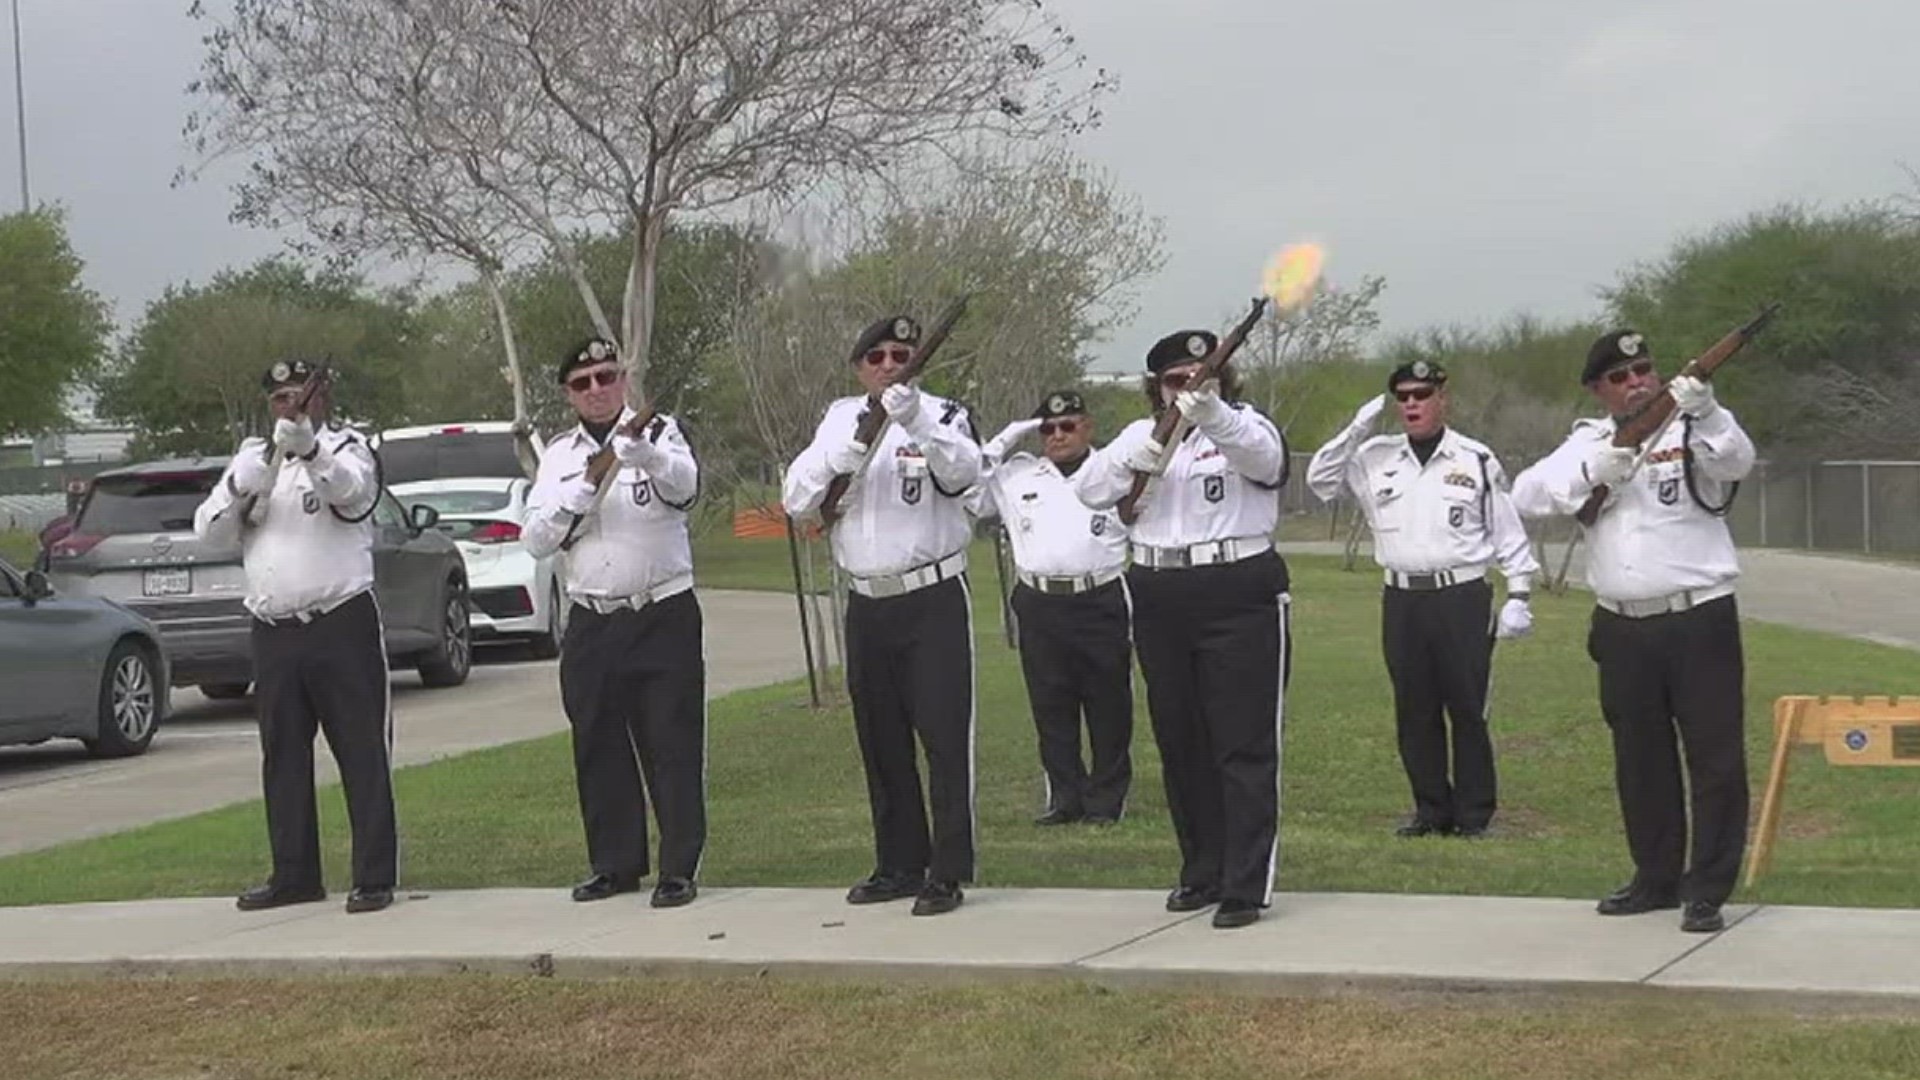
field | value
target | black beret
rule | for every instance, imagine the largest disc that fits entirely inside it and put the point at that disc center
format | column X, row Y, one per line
column 593, row 350
column 1061, row 403
column 1182, row 347
column 900, row 328
column 286, row 373
column 1425, row 371
column 1614, row 348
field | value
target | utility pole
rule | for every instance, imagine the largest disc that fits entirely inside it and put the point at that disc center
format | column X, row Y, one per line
column 20, row 109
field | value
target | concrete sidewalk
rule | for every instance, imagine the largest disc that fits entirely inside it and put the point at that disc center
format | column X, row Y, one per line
column 1308, row 943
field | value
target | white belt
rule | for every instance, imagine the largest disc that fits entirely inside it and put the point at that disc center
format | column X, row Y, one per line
column 1069, row 585
column 1435, row 579
column 881, row 586
column 1665, row 605
column 1210, row 553
column 307, row 615
column 607, row 605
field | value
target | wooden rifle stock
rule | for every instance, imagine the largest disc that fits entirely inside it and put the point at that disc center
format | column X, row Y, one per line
column 1652, row 418
column 874, row 420
column 1167, row 429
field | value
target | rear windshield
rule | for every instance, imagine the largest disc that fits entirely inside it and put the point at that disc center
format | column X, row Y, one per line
column 438, row 457
column 152, row 502
column 459, row 502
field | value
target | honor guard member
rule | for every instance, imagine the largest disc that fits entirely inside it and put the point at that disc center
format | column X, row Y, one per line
column 632, row 666
column 1665, row 630
column 1437, row 504
column 1070, row 606
column 299, row 508
column 1210, row 621
column 902, row 540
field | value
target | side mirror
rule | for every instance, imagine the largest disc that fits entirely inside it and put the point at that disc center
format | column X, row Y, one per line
column 421, row 517
column 37, row 587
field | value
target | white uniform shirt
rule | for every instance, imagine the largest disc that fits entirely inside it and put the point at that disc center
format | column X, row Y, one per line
column 1216, row 487
column 298, row 555
column 636, row 539
column 1053, row 533
column 1455, row 511
column 906, row 509
column 1650, row 540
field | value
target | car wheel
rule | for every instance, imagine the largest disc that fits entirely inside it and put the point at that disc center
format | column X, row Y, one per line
column 547, row 646
column 225, row 691
column 450, row 661
column 130, row 703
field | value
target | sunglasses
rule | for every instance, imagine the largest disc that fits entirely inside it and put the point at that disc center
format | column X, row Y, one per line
column 1413, row 393
column 1619, row 376
column 1064, row 427
column 580, row 384
column 881, row 356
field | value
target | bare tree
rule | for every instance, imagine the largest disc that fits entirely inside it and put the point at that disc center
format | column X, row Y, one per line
column 626, row 112
column 1332, row 328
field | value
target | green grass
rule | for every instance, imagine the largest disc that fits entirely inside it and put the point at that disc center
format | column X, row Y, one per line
column 480, row 1028
column 18, row 547
column 788, row 805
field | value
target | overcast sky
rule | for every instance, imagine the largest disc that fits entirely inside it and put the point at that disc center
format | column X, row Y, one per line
column 1484, row 156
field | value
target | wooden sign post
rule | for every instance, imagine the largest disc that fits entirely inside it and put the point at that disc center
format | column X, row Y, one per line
column 1855, row 731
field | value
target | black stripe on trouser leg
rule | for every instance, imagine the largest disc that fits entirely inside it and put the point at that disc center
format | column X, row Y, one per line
column 1438, row 656
column 910, row 673
column 326, row 675
column 1075, row 655
column 1212, row 651
column 1664, row 681
column 634, row 687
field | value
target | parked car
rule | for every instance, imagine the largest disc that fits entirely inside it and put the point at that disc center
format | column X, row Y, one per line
column 74, row 667
column 515, row 596
column 133, row 543
column 448, row 451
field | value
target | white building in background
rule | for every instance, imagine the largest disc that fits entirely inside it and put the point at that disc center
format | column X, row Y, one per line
column 87, row 439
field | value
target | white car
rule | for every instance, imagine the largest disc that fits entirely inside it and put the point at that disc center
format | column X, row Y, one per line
column 515, row 596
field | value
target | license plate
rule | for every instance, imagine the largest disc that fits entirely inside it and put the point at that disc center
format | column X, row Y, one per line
column 168, row 581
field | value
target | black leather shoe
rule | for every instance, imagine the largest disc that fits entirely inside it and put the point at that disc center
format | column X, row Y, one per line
column 1233, row 914
column 1470, row 832
column 1702, row 917
column 262, row 897
column 1417, row 827
column 1059, row 817
column 1192, row 898
column 938, row 898
column 1102, row 819
column 674, row 892
column 362, row 900
column 601, row 886
column 1628, row 900
column 880, row 888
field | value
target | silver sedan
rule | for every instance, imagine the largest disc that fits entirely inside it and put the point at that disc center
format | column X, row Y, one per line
column 77, row 667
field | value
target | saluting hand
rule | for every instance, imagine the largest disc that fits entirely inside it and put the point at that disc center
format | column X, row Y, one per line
column 1369, row 412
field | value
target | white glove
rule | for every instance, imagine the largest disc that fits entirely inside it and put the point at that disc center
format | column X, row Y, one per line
column 846, row 458
column 294, row 436
column 251, row 474
column 1369, row 412
column 1693, row 396
column 1146, row 457
column 1202, row 405
column 576, row 497
column 1516, row 619
column 902, row 402
column 1610, row 465
column 1016, row 431
column 638, row 452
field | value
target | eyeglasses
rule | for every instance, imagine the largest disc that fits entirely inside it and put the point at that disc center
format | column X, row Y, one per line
column 1064, row 427
column 580, row 384
column 1619, row 376
column 1413, row 393
column 881, row 356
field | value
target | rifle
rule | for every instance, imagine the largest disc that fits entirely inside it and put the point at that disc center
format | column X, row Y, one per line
column 1168, row 430
column 1645, row 425
column 874, row 421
